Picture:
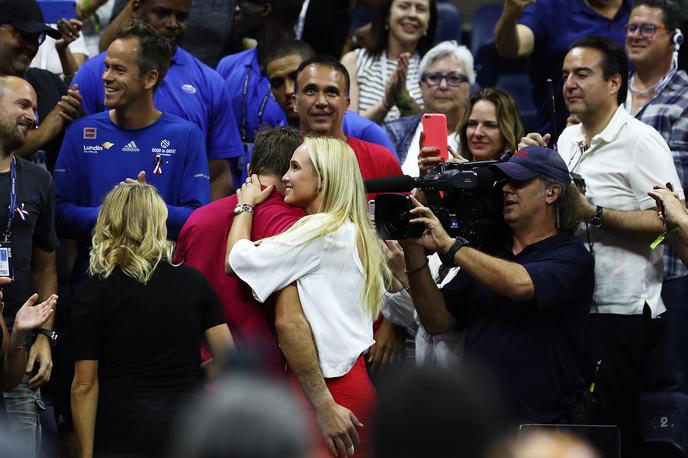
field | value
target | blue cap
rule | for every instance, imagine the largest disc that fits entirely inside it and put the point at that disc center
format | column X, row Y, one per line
column 533, row 161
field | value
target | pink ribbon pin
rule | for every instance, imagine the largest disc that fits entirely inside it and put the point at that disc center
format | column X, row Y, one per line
column 22, row 213
column 158, row 165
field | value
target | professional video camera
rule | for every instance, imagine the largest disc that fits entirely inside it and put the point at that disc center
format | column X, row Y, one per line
column 466, row 197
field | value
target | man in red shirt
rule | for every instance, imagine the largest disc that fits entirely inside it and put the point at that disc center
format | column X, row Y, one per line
column 322, row 98
column 203, row 239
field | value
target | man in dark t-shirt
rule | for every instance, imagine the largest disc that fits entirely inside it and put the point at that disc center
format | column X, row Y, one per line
column 28, row 230
column 523, row 304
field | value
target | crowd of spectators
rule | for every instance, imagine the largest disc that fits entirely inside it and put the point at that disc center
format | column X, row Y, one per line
column 190, row 177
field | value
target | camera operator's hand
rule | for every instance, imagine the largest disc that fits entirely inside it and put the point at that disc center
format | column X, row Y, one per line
column 584, row 208
column 434, row 238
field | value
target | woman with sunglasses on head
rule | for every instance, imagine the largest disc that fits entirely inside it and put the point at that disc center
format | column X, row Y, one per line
column 334, row 257
column 385, row 71
column 446, row 75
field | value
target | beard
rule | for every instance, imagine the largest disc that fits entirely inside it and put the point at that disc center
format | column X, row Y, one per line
column 10, row 135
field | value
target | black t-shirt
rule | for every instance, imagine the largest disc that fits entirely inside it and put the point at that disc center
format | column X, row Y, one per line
column 147, row 340
column 534, row 349
column 36, row 197
column 49, row 90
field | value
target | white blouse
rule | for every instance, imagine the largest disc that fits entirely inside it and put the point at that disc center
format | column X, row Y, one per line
column 329, row 277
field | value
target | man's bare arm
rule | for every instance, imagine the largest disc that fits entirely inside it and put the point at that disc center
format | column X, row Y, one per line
column 513, row 40
column 337, row 424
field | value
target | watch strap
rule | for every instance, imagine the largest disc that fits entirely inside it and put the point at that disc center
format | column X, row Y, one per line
column 49, row 333
column 448, row 257
column 596, row 219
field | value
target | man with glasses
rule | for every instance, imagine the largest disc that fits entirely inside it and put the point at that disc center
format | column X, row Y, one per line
column 658, row 96
column 544, row 30
column 22, row 30
column 446, row 74
column 620, row 159
column 523, row 300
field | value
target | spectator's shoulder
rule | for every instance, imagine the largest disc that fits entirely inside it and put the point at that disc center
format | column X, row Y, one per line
column 229, row 63
column 96, row 120
column 37, row 174
column 179, row 124
column 93, row 64
column 209, row 75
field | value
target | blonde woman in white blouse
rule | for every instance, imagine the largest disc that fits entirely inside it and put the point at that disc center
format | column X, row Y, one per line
column 334, row 257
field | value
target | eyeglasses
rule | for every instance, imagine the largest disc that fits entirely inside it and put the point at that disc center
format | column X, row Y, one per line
column 435, row 79
column 278, row 81
column 647, row 31
column 26, row 36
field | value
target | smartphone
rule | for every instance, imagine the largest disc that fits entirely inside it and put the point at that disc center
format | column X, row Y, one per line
column 435, row 132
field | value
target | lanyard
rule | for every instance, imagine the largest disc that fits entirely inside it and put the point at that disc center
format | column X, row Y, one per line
column 244, row 109
column 13, row 199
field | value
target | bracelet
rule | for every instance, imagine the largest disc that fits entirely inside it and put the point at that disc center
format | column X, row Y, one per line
column 404, row 100
column 414, row 271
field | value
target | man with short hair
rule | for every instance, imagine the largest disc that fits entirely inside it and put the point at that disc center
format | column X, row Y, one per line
column 203, row 240
column 132, row 138
column 191, row 90
column 28, row 230
column 544, row 30
column 658, row 96
column 322, row 99
column 523, row 301
column 22, row 30
column 620, row 159
column 280, row 68
column 269, row 22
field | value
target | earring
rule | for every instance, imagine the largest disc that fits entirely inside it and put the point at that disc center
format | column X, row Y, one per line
column 425, row 34
column 386, row 26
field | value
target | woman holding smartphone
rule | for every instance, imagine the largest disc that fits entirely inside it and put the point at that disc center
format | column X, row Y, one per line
column 334, row 257
column 490, row 125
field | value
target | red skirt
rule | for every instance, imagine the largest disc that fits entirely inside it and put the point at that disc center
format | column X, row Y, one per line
column 354, row 391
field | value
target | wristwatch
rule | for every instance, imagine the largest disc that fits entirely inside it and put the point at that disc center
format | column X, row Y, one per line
column 49, row 333
column 240, row 208
column 596, row 220
column 448, row 257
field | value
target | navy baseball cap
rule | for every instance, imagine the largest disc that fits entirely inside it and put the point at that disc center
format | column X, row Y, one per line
column 26, row 16
column 533, row 161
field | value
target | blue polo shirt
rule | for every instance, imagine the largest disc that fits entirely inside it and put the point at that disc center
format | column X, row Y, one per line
column 190, row 90
column 534, row 349
column 556, row 24
column 251, row 97
column 97, row 154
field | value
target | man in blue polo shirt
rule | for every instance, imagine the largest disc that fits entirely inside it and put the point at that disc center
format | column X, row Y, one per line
column 103, row 149
column 524, row 301
column 545, row 30
column 191, row 90
column 270, row 22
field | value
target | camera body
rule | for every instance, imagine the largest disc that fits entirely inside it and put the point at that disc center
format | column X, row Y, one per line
column 466, row 197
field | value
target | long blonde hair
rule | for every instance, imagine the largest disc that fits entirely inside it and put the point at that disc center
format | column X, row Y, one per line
column 130, row 232
column 344, row 199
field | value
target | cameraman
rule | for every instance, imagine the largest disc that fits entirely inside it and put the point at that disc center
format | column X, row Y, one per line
column 523, row 304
